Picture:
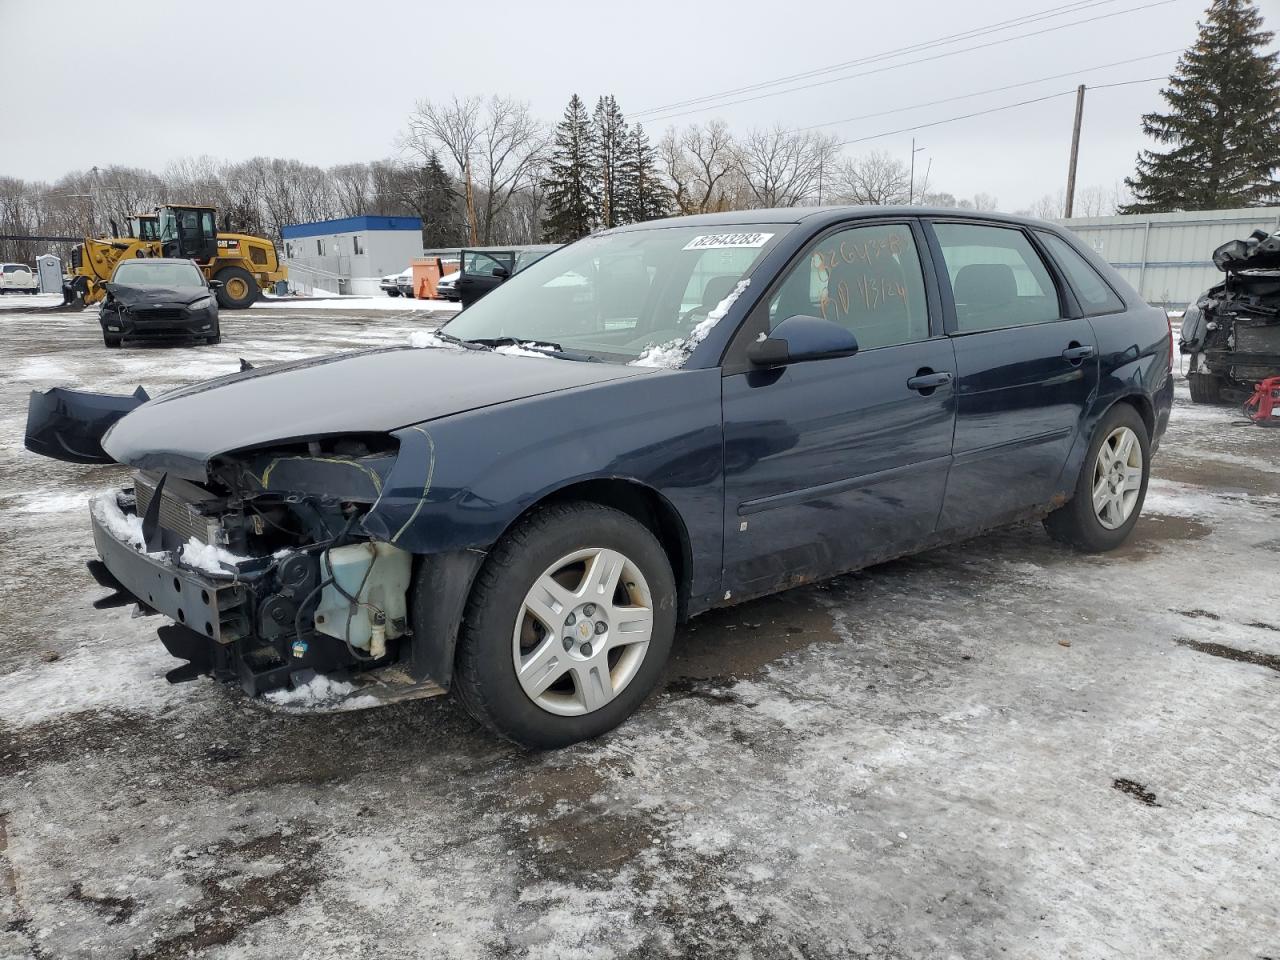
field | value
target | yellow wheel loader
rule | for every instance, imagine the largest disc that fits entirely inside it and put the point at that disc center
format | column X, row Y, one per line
column 245, row 264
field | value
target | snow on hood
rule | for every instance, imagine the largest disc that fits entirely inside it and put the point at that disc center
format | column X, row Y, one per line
column 674, row 353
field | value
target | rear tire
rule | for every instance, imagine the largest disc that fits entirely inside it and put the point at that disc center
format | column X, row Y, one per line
column 594, row 661
column 1103, row 511
column 239, row 289
column 1205, row 388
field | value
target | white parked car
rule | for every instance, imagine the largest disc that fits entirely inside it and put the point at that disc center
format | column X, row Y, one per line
column 447, row 287
column 17, row 278
column 391, row 282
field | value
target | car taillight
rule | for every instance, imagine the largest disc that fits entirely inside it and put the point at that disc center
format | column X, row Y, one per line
column 1169, row 320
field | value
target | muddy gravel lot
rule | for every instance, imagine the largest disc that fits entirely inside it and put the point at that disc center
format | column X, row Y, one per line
column 996, row 749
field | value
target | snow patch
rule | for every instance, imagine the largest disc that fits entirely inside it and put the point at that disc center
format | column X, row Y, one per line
column 321, row 693
column 674, row 353
column 208, row 557
column 427, row 339
column 122, row 526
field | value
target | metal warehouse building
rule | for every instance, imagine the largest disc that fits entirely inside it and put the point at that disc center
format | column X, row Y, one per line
column 1168, row 256
column 349, row 255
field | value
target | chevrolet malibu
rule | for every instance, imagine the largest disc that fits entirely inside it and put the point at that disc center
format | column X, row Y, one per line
column 651, row 422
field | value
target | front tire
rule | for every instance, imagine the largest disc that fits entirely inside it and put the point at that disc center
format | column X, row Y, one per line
column 1111, row 488
column 239, row 289
column 112, row 341
column 568, row 626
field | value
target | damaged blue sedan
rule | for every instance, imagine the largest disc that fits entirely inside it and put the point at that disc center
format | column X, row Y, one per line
column 651, row 422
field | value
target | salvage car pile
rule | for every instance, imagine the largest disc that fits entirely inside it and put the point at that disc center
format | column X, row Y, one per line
column 1232, row 333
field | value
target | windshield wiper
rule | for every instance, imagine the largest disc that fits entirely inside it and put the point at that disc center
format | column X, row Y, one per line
column 518, row 342
column 467, row 344
column 549, row 347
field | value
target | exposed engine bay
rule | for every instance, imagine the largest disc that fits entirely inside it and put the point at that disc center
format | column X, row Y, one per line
column 1232, row 333
column 262, row 567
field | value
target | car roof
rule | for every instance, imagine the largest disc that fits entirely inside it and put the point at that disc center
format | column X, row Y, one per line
column 158, row 260
column 820, row 216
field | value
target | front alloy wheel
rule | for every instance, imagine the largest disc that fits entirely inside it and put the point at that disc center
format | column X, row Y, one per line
column 568, row 625
column 582, row 631
column 1117, row 478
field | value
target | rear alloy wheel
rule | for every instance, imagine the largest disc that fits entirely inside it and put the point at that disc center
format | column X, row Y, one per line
column 568, row 626
column 1111, row 487
column 239, row 289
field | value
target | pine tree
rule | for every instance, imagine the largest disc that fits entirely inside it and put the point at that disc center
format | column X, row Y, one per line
column 1223, row 123
column 572, row 201
column 643, row 196
column 611, row 144
column 437, row 201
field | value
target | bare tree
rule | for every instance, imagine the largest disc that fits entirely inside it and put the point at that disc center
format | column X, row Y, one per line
column 784, row 168
column 877, row 178
column 699, row 163
column 493, row 147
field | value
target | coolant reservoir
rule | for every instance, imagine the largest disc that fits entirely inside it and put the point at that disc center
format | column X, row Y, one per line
column 386, row 589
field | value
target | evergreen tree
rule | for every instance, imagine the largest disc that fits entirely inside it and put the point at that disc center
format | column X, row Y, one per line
column 643, row 196
column 611, row 145
column 1223, row 123
column 437, row 203
column 571, row 198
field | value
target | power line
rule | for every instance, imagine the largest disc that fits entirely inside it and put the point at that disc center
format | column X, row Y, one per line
column 1074, row 7
column 908, row 63
column 981, row 93
column 1007, row 106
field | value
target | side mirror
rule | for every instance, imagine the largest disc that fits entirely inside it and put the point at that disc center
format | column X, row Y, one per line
column 501, row 273
column 215, row 284
column 800, row 338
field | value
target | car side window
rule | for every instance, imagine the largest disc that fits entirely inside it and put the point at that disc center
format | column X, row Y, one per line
column 997, row 278
column 1094, row 293
column 865, row 278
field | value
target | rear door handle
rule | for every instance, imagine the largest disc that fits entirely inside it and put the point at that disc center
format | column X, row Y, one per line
column 929, row 381
column 1077, row 352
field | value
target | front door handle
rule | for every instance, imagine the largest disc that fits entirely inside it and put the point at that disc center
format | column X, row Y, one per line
column 1077, row 352
column 926, row 381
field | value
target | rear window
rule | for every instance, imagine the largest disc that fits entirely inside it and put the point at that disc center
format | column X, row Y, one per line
column 997, row 278
column 1095, row 295
column 16, row 268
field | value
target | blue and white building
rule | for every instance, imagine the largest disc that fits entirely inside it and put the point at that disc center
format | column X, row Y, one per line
column 349, row 255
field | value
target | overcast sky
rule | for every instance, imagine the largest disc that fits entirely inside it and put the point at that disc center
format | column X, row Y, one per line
column 144, row 82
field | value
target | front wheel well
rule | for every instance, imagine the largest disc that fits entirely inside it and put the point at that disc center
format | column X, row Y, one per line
column 644, row 505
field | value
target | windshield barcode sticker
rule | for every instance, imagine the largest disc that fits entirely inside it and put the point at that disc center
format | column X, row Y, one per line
column 722, row 241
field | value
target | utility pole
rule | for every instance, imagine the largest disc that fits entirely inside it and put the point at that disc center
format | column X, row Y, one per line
column 911, row 188
column 1075, row 153
column 471, row 207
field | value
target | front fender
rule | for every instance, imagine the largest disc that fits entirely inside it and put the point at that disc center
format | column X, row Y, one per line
column 459, row 482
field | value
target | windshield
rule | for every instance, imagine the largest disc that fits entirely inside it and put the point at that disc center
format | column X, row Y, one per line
column 145, row 273
column 616, row 295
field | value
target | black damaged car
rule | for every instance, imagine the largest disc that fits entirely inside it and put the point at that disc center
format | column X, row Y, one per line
column 649, row 423
column 159, row 300
column 1231, row 335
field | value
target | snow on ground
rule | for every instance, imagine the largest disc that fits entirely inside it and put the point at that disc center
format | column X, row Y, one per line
column 1000, row 748
column 12, row 301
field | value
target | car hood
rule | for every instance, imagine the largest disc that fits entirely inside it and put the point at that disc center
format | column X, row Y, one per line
column 148, row 296
column 375, row 391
